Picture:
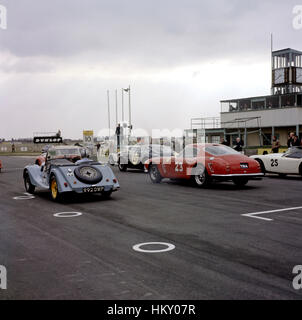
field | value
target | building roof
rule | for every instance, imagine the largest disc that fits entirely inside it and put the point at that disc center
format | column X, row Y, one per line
column 287, row 50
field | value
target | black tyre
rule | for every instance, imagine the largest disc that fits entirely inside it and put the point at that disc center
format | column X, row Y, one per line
column 107, row 194
column 262, row 166
column 240, row 182
column 200, row 177
column 121, row 166
column 300, row 169
column 154, row 174
column 29, row 187
column 88, row 174
column 54, row 190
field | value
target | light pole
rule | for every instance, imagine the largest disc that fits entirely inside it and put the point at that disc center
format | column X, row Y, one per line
column 129, row 92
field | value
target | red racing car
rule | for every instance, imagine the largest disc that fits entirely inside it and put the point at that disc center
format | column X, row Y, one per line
column 204, row 163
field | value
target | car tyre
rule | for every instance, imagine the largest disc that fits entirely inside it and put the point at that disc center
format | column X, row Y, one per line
column 122, row 167
column 240, row 182
column 29, row 187
column 201, row 178
column 54, row 190
column 106, row 194
column 262, row 166
column 154, row 174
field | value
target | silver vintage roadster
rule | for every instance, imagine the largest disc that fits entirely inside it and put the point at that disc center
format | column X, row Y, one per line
column 67, row 170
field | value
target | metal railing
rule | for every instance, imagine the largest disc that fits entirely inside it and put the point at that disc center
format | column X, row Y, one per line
column 206, row 123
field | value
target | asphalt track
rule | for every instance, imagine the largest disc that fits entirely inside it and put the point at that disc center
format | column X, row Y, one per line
column 219, row 254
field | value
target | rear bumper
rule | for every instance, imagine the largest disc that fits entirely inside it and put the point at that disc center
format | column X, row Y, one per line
column 250, row 176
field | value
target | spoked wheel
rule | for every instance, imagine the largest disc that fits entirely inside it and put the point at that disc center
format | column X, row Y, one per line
column 201, row 177
column 240, row 182
column 54, row 191
column 29, row 187
column 154, row 173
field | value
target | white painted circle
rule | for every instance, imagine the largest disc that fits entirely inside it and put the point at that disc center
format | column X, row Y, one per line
column 67, row 214
column 27, row 196
column 169, row 247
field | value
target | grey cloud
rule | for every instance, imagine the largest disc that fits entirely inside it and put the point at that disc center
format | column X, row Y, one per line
column 153, row 33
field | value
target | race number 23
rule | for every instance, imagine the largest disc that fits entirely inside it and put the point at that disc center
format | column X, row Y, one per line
column 274, row 163
column 179, row 167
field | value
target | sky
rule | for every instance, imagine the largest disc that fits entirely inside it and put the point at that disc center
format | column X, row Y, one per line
column 58, row 58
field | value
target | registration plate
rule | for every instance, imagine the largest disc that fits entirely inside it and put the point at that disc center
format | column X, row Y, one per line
column 244, row 165
column 93, row 189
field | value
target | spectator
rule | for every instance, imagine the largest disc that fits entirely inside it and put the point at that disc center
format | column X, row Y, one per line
column 224, row 142
column 13, row 148
column 118, row 135
column 296, row 141
column 59, row 133
column 290, row 139
column 239, row 145
column 275, row 145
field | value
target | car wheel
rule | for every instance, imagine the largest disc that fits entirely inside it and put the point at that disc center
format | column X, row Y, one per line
column 29, row 187
column 111, row 161
column 154, row 174
column 122, row 167
column 300, row 169
column 262, row 166
column 200, row 177
column 107, row 194
column 54, row 190
column 240, row 182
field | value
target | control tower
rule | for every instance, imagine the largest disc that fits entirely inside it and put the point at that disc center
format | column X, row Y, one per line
column 286, row 71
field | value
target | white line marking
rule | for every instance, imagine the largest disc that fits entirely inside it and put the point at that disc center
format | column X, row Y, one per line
column 255, row 214
column 27, row 196
column 169, row 246
column 67, row 214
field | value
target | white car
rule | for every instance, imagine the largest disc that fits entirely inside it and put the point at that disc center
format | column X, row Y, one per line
column 283, row 164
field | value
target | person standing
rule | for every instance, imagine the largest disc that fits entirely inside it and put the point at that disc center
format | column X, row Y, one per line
column 118, row 135
column 224, row 142
column 290, row 139
column 296, row 141
column 275, row 145
column 239, row 145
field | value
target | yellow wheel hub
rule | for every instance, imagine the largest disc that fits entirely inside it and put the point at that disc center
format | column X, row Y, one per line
column 54, row 188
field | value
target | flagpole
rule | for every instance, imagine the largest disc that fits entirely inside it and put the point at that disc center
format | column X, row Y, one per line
column 116, row 108
column 123, row 104
column 108, row 101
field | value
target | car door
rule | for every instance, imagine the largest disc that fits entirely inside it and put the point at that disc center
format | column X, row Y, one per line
column 184, row 161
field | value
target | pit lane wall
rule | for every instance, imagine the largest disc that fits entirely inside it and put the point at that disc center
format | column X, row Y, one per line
column 27, row 147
